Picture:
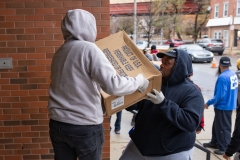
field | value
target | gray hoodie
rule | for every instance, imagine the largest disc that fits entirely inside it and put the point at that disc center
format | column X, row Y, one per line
column 78, row 72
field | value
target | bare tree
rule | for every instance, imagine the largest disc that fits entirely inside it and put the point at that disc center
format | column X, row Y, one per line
column 146, row 23
column 121, row 23
column 201, row 16
column 171, row 12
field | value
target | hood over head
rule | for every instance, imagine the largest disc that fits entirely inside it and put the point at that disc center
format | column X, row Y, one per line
column 79, row 24
column 182, row 68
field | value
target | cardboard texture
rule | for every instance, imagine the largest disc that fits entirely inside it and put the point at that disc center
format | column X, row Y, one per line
column 127, row 60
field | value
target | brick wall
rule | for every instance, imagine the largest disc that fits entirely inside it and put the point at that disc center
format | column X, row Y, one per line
column 30, row 34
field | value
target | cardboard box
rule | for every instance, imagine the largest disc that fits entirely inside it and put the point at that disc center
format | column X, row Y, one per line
column 128, row 60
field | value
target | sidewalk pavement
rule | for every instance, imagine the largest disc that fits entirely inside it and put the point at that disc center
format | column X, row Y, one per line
column 119, row 141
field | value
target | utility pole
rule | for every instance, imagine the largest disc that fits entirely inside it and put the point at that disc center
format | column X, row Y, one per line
column 232, row 29
column 135, row 23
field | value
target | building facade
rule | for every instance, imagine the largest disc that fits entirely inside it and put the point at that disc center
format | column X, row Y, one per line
column 30, row 34
column 224, row 22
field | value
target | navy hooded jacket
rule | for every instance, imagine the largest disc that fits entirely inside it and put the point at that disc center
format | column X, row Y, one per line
column 169, row 127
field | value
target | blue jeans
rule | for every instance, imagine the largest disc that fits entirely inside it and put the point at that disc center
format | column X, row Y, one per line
column 71, row 141
column 118, row 121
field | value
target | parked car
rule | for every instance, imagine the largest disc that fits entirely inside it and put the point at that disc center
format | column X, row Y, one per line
column 213, row 45
column 176, row 42
column 141, row 44
column 197, row 53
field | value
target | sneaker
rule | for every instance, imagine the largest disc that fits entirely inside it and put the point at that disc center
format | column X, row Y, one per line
column 236, row 156
column 117, row 131
column 210, row 145
column 219, row 152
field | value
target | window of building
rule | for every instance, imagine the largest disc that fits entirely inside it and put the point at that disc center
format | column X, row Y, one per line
column 238, row 7
column 216, row 11
column 225, row 9
column 217, row 35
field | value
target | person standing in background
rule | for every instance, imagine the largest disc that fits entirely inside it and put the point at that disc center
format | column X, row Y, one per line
column 79, row 71
column 224, row 102
column 234, row 145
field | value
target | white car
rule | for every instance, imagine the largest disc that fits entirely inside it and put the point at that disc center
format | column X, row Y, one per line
column 142, row 44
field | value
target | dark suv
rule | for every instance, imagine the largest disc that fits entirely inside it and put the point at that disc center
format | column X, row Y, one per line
column 213, row 45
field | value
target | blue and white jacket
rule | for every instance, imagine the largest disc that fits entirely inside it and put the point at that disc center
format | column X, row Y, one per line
column 226, row 91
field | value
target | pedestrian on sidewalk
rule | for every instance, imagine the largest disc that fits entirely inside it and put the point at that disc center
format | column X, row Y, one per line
column 117, row 123
column 166, row 123
column 79, row 71
column 234, row 145
column 224, row 102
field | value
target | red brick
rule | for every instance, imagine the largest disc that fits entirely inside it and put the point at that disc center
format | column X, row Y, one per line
column 31, row 157
column 45, row 49
column 5, row 117
column 44, row 37
column 6, row 152
column 29, row 99
column 35, row 43
column 39, row 104
column 53, row 4
column 34, row 17
column 2, row 31
column 37, row 80
column 19, row 93
column 21, row 152
column 4, row 81
column 9, row 87
column 24, row 11
column 91, row 3
column 18, row 56
column 53, row 17
column 36, row 140
column 43, row 11
column 31, row 134
column 21, row 128
column 46, row 145
column 7, row 11
column 39, row 116
column 20, row 116
column 11, row 111
column 27, row 62
column 6, row 129
column 34, row 5
column 26, row 50
column 43, row 74
column 22, row 140
column 36, row 56
column 29, row 110
column 17, row 157
column 30, row 146
column 71, row 4
column 24, row 25
column 14, row 5
column 15, row 18
column 25, row 37
column 12, row 134
column 13, row 146
column 9, row 75
column 36, row 68
column 15, row 44
column 20, row 105
column 33, row 30
column 52, row 30
column 40, row 151
column 38, row 92
column 8, row 50
column 7, row 37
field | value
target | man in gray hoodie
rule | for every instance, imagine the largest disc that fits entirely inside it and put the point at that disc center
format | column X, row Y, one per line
column 79, row 71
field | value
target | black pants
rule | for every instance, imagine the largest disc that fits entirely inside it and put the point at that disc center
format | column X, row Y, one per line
column 72, row 141
column 221, row 129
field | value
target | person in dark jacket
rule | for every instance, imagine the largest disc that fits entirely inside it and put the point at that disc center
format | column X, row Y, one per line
column 165, row 126
column 234, row 145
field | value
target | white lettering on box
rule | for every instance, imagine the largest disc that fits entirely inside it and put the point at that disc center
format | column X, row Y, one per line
column 117, row 102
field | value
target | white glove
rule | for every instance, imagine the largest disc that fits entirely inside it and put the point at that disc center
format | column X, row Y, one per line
column 143, row 84
column 157, row 98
